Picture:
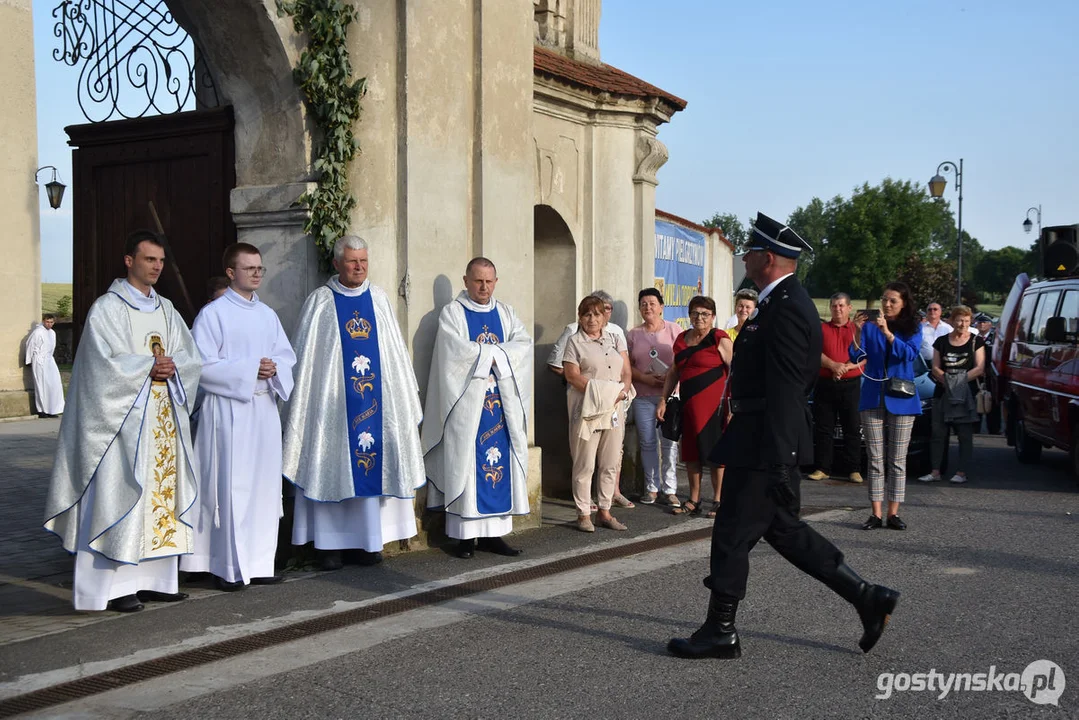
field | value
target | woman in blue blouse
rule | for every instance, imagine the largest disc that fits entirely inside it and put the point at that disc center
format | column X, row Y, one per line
column 889, row 344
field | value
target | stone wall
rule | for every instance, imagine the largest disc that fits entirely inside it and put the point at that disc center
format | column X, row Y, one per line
column 20, row 273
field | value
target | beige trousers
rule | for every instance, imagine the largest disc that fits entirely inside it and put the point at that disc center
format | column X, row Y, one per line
column 603, row 450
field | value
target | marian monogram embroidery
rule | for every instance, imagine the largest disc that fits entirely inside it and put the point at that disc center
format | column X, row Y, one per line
column 358, row 328
column 487, row 337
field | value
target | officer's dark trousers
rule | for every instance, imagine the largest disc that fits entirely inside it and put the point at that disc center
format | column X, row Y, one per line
column 832, row 398
column 746, row 514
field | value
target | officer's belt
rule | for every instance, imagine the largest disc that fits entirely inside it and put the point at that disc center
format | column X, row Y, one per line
column 748, row 405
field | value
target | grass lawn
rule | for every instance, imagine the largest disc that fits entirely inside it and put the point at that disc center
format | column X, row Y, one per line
column 51, row 293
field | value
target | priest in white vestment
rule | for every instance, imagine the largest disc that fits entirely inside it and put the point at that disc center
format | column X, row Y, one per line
column 124, row 481
column 475, row 436
column 352, row 441
column 48, row 390
column 246, row 367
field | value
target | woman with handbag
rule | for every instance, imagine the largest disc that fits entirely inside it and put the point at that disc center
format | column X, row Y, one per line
column 889, row 343
column 702, row 355
column 651, row 354
column 958, row 363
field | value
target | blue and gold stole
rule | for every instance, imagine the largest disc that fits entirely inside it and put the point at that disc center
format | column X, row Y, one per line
column 493, row 496
column 363, row 390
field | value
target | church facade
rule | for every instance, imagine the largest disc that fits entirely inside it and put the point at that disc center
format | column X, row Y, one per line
column 490, row 127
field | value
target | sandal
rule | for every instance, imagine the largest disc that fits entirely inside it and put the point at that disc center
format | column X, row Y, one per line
column 715, row 509
column 622, row 501
column 689, row 507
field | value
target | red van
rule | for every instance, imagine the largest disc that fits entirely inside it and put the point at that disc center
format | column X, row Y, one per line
column 1034, row 372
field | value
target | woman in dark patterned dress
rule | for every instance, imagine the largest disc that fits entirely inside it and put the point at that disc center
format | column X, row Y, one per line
column 702, row 356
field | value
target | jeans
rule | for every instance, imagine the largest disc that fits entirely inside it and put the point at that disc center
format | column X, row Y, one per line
column 657, row 452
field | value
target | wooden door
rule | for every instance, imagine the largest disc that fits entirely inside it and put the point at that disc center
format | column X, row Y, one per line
column 185, row 164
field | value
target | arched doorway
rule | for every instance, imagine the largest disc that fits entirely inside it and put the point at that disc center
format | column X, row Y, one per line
column 556, row 305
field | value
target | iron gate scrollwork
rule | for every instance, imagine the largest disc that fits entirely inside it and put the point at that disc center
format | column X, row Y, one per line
column 136, row 59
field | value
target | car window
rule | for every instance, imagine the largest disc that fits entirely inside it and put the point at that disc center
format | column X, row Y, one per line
column 1026, row 312
column 1047, row 307
column 1069, row 310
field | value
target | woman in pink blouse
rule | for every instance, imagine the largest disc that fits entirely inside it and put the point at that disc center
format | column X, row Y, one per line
column 650, row 355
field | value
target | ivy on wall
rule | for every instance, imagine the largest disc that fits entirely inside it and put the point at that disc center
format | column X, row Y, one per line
column 324, row 75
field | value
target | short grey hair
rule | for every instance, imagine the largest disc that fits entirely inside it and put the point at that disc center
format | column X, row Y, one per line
column 746, row 294
column 604, row 296
column 839, row 296
column 352, row 242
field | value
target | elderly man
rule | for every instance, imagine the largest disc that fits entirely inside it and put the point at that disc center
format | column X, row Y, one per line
column 475, row 439
column 837, row 392
column 124, row 482
column 48, row 389
column 932, row 328
column 246, row 368
column 776, row 358
column 352, row 442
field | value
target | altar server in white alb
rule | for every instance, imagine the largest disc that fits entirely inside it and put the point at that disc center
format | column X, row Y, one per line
column 40, row 346
column 475, row 438
column 246, row 367
column 124, row 480
column 352, row 440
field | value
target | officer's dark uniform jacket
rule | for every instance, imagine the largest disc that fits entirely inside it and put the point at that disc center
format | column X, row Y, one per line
column 776, row 362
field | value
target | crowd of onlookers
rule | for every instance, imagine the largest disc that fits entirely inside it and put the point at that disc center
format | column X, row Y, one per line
column 672, row 383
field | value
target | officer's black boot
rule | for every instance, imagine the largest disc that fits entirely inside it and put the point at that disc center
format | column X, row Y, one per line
column 717, row 638
column 874, row 603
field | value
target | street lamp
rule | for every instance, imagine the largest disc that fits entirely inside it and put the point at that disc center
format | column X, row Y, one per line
column 1027, row 225
column 936, row 189
column 54, row 189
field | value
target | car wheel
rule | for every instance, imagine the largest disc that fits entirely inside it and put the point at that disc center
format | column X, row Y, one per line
column 1027, row 449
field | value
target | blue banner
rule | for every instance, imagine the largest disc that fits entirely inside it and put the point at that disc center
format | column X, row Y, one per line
column 363, row 390
column 492, row 437
column 680, row 256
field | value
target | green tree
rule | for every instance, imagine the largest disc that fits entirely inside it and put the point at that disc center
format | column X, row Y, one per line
column 929, row 280
column 872, row 235
column 997, row 269
column 812, row 223
column 731, row 226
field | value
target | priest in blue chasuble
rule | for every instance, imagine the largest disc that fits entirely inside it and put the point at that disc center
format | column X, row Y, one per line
column 351, row 429
column 475, row 436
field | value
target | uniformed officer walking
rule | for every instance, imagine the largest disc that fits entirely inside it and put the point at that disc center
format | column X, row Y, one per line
column 776, row 359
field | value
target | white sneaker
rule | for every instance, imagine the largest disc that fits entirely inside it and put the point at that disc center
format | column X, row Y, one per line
column 929, row 477
column 957, row 478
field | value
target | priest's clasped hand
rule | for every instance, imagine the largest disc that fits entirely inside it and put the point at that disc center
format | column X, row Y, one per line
column 163, row 368
column 267, row 369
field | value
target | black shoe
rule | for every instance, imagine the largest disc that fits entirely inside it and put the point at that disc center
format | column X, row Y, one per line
column 895, row 523
column 271, row 580
column 226, row 586
column 329, row 560
column 466, row 549
column 367, row 559
column 874, row 603
column 717, row 638
column 125, row 604
column 873, row 523
column 498, row 546
column 155, row 596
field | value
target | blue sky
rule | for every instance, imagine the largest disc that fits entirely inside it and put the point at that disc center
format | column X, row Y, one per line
column 792, row 99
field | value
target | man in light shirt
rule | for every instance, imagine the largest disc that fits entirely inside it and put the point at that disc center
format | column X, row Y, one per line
column 932, row 328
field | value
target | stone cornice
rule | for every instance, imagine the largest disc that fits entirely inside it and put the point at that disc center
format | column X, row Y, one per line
column 568, row 102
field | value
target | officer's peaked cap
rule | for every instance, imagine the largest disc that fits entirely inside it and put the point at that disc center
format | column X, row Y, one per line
column 767, row 234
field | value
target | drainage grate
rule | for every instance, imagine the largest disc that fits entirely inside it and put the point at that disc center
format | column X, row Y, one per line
column 103, row 682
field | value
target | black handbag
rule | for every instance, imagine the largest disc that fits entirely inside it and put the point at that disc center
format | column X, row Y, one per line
column 671, row 424
column 900, row 388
